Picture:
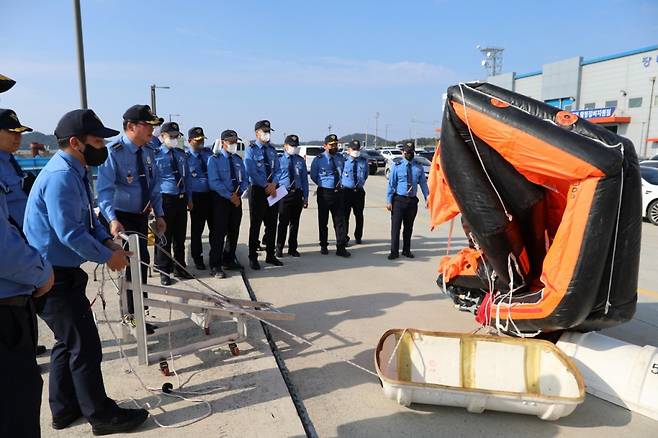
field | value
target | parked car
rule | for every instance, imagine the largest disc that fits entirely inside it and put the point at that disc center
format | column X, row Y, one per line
column 426, row 154
column 375, row 160
column 390, row 153
column 650, row 193
column 427, row 164
column 654, row 158
column 650, row 163
column 308, row 153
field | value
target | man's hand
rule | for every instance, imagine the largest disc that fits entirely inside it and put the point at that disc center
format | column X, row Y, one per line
column 119, row 260
column 270, row 189
column 427, row 203
column 389, row 207
column 190, row 205
column 160, row 225
column 235, row 199
column 111, row 244
column 305, row 204
column 45, row 288
column 116, row 228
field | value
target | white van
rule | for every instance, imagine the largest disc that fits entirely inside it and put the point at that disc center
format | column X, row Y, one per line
column 308, row 153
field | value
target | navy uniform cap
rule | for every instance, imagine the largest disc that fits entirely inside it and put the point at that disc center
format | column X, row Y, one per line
column 408, row 146
column 170, row 128
column 81, row 122
column 9, row 121
column 331, row 139
column 196, row 133
column 263, row 125
column 6, row 83
column 230, row 134
column 355, row 145
column 142, row 113
column 292, row 140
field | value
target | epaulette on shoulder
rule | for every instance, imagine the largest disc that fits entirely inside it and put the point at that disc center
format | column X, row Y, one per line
column 116, row 146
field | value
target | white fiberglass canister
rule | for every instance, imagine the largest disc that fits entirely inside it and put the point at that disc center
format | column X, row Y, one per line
column 621, row 373
column 524, row 376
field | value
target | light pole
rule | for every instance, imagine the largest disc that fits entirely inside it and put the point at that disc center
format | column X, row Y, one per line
column 153, row 87
column 376, row 127
column 386, row 132
column 174, row 115
column 81, row 54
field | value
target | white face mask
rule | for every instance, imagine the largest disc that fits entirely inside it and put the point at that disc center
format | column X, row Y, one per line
column 232, row 148
column 293, row 150
column 355, row 154
column 171, row 142
column 217, row 146
column 265, row 137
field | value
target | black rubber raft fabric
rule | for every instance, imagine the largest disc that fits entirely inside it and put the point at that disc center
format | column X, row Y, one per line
column 597, row 278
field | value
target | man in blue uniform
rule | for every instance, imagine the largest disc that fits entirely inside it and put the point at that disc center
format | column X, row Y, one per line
column 355, row 174
column 401, row 200
column 294, row 177
column 171, row 162
column 24, row 274
column 61, row 225
column 326, row 170
column 129, row 186
column 262, row 164
column 201, row 212
column 228, row 181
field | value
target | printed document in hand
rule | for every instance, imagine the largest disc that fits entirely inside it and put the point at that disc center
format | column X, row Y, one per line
column 281, row 192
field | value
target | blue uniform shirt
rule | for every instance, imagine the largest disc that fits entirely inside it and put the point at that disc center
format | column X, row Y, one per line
column 169, row 175
column 397, row 180
column 349, row 180
column 198, row 164
column 300, row 173
column 22, row 269
column 16, row 198
column 59, row 220
column 118, row 183
column 219, row 174
column 254, row 161
column 322, row 171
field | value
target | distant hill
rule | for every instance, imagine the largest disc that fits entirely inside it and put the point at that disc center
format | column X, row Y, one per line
column 381, row 142
column 38, row 137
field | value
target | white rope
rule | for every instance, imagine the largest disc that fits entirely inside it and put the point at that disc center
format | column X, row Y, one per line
column 614, row 244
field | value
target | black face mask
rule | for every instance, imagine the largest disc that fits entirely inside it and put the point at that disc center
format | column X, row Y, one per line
column 93, row 156
column 333, row 150
column 409, row 155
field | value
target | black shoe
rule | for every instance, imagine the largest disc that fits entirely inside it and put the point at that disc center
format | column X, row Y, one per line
column 408, row 254
column 358, row 241
column 63, row 421
column 150, row 328
column 233, row 266
column 200, row 265
column 294, row 253
column 324, row 250
column 342, row 252
column 183, row 275
column 272, row 260
column 166, row 281
column 217, row 273
column 254, row 264
column 41, row 349
column 124, row 420
column 279, row 253
column 393, row 256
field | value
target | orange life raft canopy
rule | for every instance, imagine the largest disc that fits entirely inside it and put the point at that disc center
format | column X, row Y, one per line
column 552, row 207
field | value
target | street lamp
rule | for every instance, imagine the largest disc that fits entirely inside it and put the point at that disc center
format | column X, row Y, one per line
column 174, row 115
column 81, row 54
column 153, row 87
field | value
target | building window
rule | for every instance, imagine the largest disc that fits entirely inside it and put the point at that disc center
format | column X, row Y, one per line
column 610, row 103
column 590, row 106
column 635, row 102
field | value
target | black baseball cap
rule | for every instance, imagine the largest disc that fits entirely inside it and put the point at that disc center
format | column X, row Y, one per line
column 355, row 145
column 230, row 134
column 292, row 140
column 408, row 146
column 264, row 125
column 331, row 139
column 6, row 83
column 170, row 128
column 142, row 113
column 81, row 122
column 9, row 121
column 195, row 133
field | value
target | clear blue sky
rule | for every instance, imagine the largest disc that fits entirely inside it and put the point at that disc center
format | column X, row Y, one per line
column 301, row 64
